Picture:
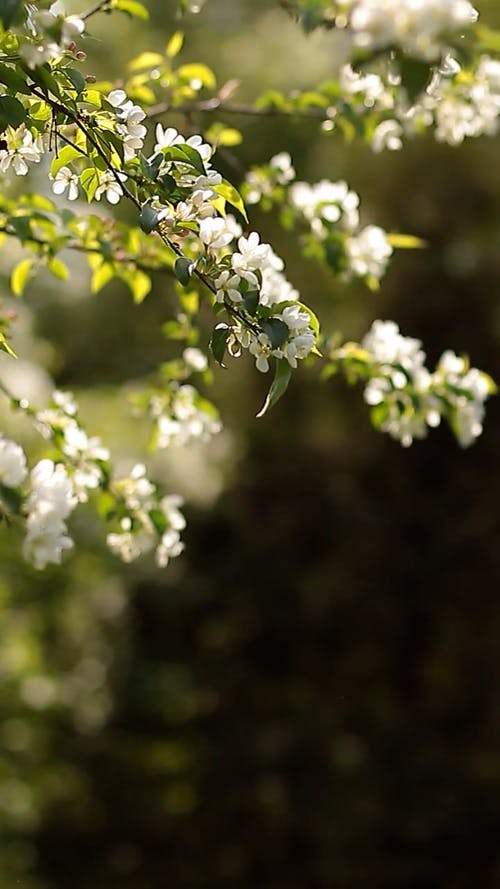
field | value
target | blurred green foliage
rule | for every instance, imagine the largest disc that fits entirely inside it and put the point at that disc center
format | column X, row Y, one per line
column 308, row 698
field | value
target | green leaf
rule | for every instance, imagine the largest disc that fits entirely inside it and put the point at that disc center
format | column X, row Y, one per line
column 5, row 347
column 148, row 218
column 13, row 80
column 58, row 268
column 64, row 157
column 251, row 301
column 76, row 78
column 218, row 342
column 151, row 168
column 198, row 71
column 415, row 76
column 132, row 8
column 44, row 77
column 279, row 386
column 232, row 196
column 12, row 113
column 8, row 11
column 89, row 180
column 276, row 330
column 405, row 242
column 183, row 269
column 186, row 154
column 159, row 521
column 21, row 275
column 139, row 283
column 102, row 276
column 175, row 44
column 146, row 60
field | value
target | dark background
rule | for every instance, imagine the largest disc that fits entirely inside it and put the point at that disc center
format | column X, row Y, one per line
column 309, row 697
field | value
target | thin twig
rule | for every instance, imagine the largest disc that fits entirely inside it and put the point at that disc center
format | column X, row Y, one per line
column 216, row 104
column 102, row 6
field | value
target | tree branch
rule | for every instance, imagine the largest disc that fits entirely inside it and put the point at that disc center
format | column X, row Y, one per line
column 216, row 104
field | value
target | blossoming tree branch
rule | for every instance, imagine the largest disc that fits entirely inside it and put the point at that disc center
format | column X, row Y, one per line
column 410, row 67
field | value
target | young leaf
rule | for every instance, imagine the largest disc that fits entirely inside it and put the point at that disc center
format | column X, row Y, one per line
column 13, row 80
column 415, row 76
column 218, row 343
column 76, row 78
column 174, row 45
column 183, row 269
column 12, row 113
column 186, row 154
column 405, row 242
column 148, row 218
column 232, row 196
column 139, row 283
column 132, row 8
column 89, row 180
column 159, row 521
column 146, row 60
column 251, row 301
column 102, row 276
column 58, row 268
column 279, row 386
column 8, row 11
column 276, row 330
column 198, row 71
column 63, row 158
column 21, row 275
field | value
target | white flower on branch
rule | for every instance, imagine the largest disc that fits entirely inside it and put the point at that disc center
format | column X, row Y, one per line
column 109, row 187
column 420, row 27
column 252, row 255
column 215, row 233
column 50, row 502
column 13, row 467
column 64, row 180
column 21, row 151
column 368, row 252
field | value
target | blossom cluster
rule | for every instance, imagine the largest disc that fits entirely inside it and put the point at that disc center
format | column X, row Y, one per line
column 148, row 522
column 246, row 273
column 48, row 494
column 331, row 212
column 99, row 140
column 405, row 398
column 49, row 35
column 87, row 458
column 182, row 417
column 455, row 103
column 421, row 28
column 50, row 502
column 21, row 149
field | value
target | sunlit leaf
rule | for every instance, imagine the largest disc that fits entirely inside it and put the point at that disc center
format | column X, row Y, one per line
column 21, row 275
column 279, row 386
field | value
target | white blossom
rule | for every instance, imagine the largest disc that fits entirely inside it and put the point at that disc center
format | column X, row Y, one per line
column 195, row 359
column 13, row 467
column 215, row 233
column 251, row 255
column 66, row 179
column 49, row 503
column 185, row 419
column 368, row 252
column 109, row 187
column 227, row 286
column 419, row 27
column 22, row 150
column 325, row 203
column 387, row 134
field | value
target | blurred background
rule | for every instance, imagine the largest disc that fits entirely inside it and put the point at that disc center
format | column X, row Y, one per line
column 309, row 697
